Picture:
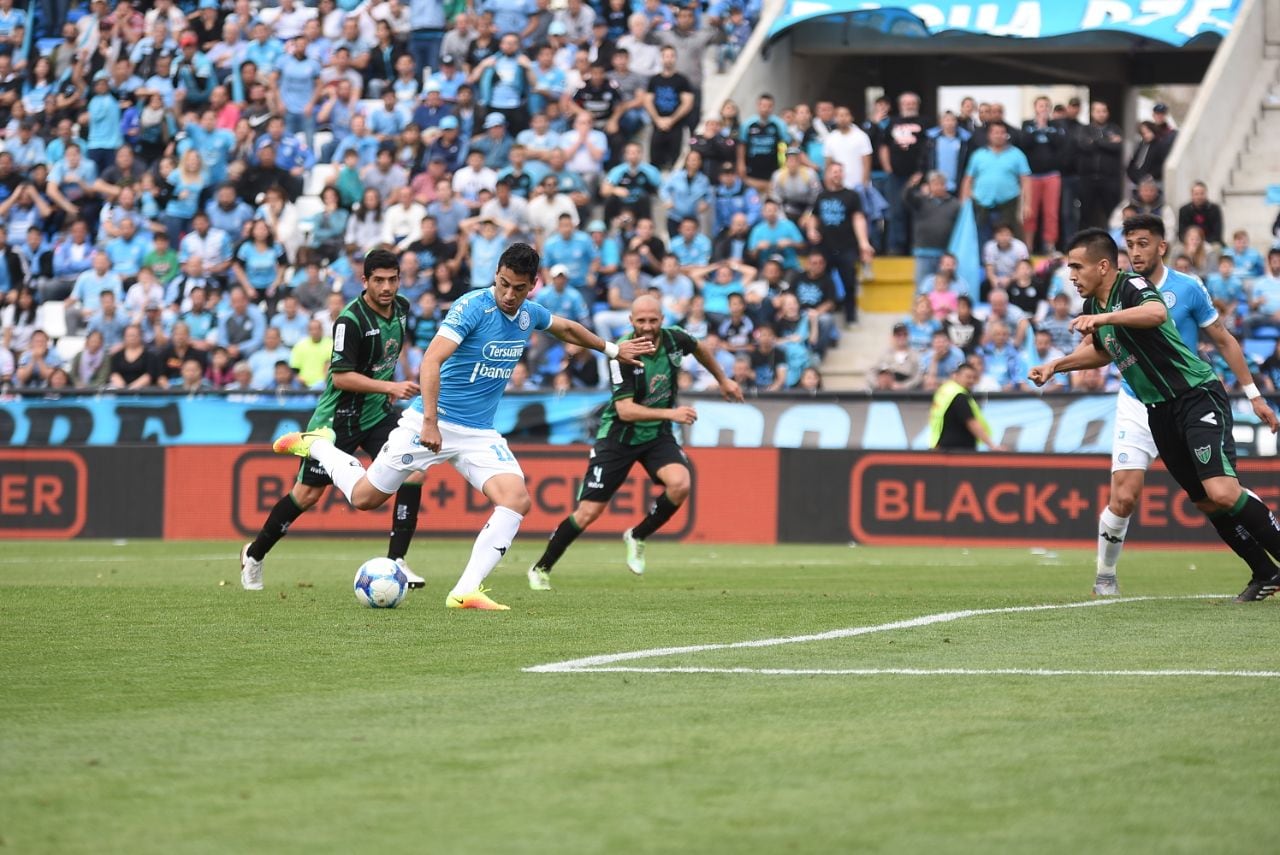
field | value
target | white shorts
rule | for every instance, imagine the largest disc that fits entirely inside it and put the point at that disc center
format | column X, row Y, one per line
column 477, row 454
column 1131, row 445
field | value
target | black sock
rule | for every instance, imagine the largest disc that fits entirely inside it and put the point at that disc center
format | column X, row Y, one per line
column 561, row 539
column 404, row 520
column 276, row 527
column 1257, row 519
column 1235, row 535
column 662, row 510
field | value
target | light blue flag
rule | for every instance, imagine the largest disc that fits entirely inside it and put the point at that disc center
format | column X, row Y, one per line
column 964, row 246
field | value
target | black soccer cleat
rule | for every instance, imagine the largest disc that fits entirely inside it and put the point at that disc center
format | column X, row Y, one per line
column 1259, row 589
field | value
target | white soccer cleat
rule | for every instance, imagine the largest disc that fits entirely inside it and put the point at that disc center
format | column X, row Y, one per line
column 1105, row 585
column 539, row 579
column 635, row 553
column 415, row 581
column 250, row 571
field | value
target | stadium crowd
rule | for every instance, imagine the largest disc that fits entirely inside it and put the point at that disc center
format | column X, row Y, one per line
column 187, row 190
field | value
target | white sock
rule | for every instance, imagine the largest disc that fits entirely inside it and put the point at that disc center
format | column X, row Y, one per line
column 344, row 469
column 1112, row 528
column 491, row 544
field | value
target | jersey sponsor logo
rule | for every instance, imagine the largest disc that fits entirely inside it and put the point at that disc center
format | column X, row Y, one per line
column 1203, row 453
column 504, row 351
column 659, row 386
column 374, row 331
column 1210, row 419
column 339, row 337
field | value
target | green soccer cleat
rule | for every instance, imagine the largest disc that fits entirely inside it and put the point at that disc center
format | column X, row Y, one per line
column 299, row 442
column 539, row 579
column 635, row 553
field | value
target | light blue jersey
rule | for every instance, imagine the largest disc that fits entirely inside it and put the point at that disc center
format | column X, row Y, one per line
column 1189, row 306
column 490, row 344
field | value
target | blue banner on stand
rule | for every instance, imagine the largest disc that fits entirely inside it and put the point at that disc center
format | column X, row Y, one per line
column 1174, row 22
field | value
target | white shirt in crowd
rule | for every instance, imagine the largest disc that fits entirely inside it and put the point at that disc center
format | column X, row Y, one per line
column 848, row 149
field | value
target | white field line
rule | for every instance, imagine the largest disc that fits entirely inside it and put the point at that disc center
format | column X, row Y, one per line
column 924, row 672
column 595, row 663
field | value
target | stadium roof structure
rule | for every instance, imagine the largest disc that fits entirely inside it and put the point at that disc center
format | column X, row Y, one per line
column 1006, row 26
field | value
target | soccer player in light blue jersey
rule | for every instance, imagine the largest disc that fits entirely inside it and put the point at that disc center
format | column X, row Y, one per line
column 1132, row 447
column 463, row 375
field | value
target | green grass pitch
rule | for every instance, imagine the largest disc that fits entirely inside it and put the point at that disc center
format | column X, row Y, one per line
column 151, row 705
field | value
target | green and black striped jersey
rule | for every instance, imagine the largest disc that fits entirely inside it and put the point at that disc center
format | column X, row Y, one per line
column 1157, row 363
column 650, row 384
column 368, row 344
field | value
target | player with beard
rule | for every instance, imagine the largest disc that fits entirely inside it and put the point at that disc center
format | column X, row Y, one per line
column 636, row 428
column 1126, row 320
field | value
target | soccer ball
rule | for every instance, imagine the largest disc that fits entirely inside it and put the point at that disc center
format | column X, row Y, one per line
column 380, row 584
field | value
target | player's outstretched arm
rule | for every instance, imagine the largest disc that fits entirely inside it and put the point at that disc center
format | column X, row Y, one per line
column 1147, row 315
column 1085, row 356
column 440, row 349
column 1231, row 352
column 729, row 388
column 575, row 333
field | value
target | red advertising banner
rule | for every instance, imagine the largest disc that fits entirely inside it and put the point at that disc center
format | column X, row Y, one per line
column 1018, row 500
column 43, row 493
column 227, row 492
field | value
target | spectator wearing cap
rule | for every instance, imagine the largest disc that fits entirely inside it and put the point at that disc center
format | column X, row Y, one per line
column 733, row 196
column 560, row 299
column 686, row 192
column 495, row 143
column 450, row 144
column 433, row 108
column 449, row 77
column 105, row 136
column 193, row 73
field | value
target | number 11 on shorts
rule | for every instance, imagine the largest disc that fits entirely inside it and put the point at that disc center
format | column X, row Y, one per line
column 503, row 453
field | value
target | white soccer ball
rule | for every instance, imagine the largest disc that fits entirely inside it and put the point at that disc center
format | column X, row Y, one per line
column 380, row 584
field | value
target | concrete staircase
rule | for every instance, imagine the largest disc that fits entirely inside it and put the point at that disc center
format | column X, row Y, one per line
column 1257, row 167
column 883, row 301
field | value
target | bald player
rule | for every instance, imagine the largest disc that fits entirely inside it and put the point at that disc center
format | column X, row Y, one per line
column 636, row 427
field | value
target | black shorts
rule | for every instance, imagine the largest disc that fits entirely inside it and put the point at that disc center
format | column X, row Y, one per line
column 1193, row 435
column 611, row 462
column 371, row 440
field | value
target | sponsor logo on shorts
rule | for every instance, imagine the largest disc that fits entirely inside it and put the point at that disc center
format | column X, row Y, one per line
column 596, row 481
column 1203, row 453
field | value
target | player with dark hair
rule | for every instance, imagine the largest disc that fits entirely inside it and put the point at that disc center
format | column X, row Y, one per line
column 1125, row 319
column 636, row 428
column 1132, row 449
column 464, row 373
column 357, row 405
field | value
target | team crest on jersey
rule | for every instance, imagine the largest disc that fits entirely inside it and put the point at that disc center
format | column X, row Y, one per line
column 390, row 353
column 523, row 320
column 1203, row 453
column 1170, row 298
